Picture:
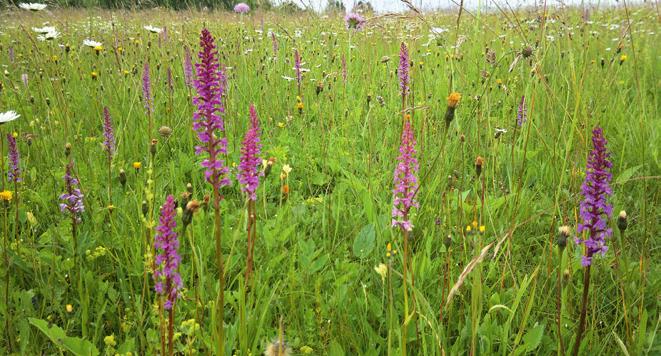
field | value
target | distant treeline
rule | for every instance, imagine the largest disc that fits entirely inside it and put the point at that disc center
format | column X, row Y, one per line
column 146, row 4
column 287, row 6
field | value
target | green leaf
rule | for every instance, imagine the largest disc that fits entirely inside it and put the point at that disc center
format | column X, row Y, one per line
column 75, row 345
column 364, row 242
column 626, row 175
column 533, row 337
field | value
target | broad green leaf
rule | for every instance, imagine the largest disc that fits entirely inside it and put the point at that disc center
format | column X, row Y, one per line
column 75, row 345
column 364, row 242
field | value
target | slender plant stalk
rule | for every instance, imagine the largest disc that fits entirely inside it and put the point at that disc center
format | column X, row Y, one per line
column 584, row 307
column 558, row 300
column 220, row 301
column 405, row 234
column 171, row 331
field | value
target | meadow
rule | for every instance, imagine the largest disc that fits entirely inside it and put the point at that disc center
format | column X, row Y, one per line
column 407, row 185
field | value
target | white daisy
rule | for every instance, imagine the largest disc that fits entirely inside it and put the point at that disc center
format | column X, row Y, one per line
column 48, row 36
column 92, row 43
column 8, row 116
column 32, row 6
column 153, row 29
column 45, row 29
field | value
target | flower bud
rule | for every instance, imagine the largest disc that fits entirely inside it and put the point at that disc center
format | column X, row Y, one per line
column 122, row 177
column 622, row 222
column 67, row 149
column 563, row 234
column 479, row 162
column 165, row 131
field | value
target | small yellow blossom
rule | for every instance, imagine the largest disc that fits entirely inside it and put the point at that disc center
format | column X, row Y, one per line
column 110, row 340
column 482, row 229
column 14, row 134
column 94, row 75
column 474, row 223
column 306, row 350
column 468, row 228
column 137, row 165
column 6, row 195
column 382, row 270
column 69, row 308
column 281, row 124
column 623, row 58
column 499, row 81
column 54, row 58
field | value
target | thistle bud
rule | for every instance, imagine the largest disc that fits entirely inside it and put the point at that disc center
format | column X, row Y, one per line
column 152, row 147
column 479, row 162
column 191, row 207
column 145, row 208
column 122, row 177
column 165, row 131
column 527, row 52
column 622, row 222
column 563, row 234
column 447, row 241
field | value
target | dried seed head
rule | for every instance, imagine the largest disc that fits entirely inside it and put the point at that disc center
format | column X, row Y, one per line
column 165, row 131
column 527, row 52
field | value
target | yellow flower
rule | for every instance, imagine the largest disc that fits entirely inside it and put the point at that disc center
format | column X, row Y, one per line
column 623, row 58
column 299, row 105
column 482, row 229
column 468, row 228
column 69, row 308
column 286, row 169
column 94, row 75
column 54, row 58
column 499, row 81
column 474, row 223
column 110, row 340
column 14, row 134
column 6, row 195
column 126, row 72
column 453, row 99
column 120, row 50
column 281, row 124
column 98, row 48
column 137, row 165
column 382, row 270
column 306, row 350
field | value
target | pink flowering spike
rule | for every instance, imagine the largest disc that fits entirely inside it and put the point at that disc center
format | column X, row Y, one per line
column 274, row 43
column 403, row 71
column 188, row 68
column 207, row 119
column 72, row 199
column 146, row 90
column 108, row 133
column 595, row 209
column 354, row 21
column 405, row 180
column 297, row 67
column 166, row 267
column 241, row 8
column 249, row 171
column 14, row 171
column 521, row 114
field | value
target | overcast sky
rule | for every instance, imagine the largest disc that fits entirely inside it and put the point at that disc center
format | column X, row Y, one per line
column 396, row 5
